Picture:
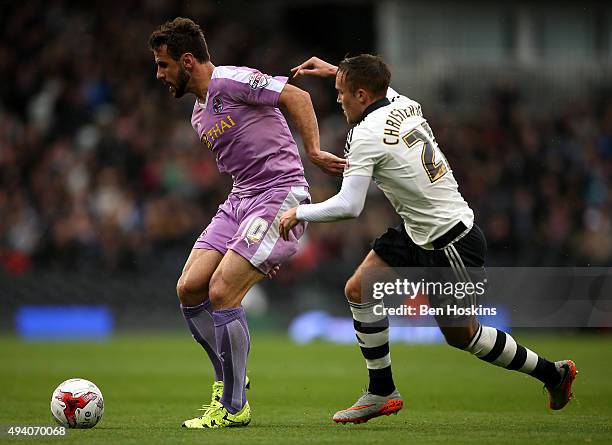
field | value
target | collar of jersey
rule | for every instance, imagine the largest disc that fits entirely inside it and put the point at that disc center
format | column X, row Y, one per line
column 374, row 106
column 203, row 105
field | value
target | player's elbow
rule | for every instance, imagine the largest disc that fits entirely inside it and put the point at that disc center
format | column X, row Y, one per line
column 353, row 210
column 295, row 98
column 303, row 98
column 358, row 207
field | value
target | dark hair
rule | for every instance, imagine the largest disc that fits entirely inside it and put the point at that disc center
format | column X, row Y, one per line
column 182, row 36
column 366, row 71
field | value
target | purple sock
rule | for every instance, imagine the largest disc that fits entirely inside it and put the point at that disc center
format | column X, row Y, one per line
column 233, row 345
column 200, row 321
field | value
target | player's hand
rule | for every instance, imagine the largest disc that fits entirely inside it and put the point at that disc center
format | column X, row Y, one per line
column 328, row 162
column 273, row 271
column 287, row 222
column 315, row 67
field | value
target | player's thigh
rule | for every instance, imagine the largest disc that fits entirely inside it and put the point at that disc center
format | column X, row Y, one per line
column 352, row 290
column 192, row 286
column 232, row 280
column 468, row 254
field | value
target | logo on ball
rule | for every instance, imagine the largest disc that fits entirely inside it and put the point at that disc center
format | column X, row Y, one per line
column 77, row 403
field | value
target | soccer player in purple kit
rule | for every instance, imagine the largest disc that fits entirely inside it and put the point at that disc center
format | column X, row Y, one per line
column 236, row 116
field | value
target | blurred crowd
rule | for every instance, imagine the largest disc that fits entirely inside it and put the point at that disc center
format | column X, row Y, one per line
column 100, row 168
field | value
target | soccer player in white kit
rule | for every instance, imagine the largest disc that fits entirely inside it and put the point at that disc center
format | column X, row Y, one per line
column 392, row 143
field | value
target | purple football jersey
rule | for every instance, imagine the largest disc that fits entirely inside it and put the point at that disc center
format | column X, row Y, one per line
column 241, row 124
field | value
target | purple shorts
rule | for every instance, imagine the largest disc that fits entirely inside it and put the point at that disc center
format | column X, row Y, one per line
column 249, row 227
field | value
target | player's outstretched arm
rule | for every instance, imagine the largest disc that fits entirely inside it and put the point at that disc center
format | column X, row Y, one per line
column 348, row 203
column 315, row 67
column 299, row 106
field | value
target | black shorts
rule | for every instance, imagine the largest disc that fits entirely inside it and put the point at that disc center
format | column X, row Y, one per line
column 397, row 250
column 455, row 261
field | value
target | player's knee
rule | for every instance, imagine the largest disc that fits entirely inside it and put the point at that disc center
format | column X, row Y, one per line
column 352, row 290
column 218, row 293
column 457, row 337
column 456, row 342
column 188, row 294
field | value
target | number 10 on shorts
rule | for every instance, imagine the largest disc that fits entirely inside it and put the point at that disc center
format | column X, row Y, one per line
column 255, row 230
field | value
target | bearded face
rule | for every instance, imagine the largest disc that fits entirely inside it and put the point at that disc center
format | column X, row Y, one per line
column 171, row 72
column 182, row 80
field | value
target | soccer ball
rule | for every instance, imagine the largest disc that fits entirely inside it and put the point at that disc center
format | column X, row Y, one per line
column 77, row 403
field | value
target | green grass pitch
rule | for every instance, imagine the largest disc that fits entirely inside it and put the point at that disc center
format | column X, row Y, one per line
column 151, row 383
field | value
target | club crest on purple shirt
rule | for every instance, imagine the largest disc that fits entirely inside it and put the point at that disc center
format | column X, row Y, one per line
column 217, row 105
column 258, row 80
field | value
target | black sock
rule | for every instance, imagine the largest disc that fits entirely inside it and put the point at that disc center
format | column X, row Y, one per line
column 547, row 372
column 381, row 381
column 372, row 333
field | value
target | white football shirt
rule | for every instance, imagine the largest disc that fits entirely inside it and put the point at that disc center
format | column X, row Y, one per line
column 394, row 145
